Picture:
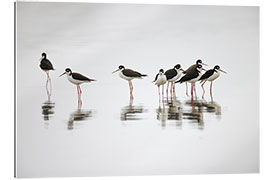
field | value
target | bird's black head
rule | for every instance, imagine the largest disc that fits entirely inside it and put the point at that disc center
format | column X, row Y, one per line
column 68, row 70
column 43, row 55
column 121, row 67
column 199, row 61
column 216, row 67
column 161, row 71
column 177, row 66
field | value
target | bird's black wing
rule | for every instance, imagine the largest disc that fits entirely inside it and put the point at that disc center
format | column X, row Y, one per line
column 170, row 73
column 189, row 76
column 156, row 78
column 131, row 73
column 45, row 64
column 207, row 74
column 80, row 77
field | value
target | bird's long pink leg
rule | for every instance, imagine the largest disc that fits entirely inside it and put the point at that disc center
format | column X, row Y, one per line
column 187, row 89
column 203, row 88
column 163, row 94
column 167, row 88
column 171, row 90
column 130, row 88
column 194, row 88
column 211, row 91
column 174, row 89
column 47, row 90
column 159, row 93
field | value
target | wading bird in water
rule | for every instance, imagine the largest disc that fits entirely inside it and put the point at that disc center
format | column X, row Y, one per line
column 129, row 75
column 172, row 75
column 160, row 80
column 46, row 66
column 192, row 77
column 210, row 75
column 191, row 68
column 77, row 79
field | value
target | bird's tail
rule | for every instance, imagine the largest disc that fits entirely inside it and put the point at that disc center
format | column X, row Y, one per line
column 143, row 75
column 92, row 80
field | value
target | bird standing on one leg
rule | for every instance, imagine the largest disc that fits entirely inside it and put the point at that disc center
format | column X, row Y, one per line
column 210, row 75
column 172, row 75
column 191, row 68
column 77, row 79
column 46, row 66
column 129, row 75
column 160, row 80
column 192, row 77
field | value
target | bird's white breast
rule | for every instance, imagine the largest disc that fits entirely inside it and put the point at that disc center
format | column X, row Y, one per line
column 74, row 81
column 161, row 80
column 214, row 76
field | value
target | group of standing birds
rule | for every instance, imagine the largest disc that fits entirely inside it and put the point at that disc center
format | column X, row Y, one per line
column 171, row 76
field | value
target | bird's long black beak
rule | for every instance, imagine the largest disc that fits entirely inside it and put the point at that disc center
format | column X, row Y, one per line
column 62, row 74
column 222, row 71
column 115, row 71
column 204, row 69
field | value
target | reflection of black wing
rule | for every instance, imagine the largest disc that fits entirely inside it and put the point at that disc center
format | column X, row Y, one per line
column 191, row 68
column 156, row 78
column 80, row 77
column 45, row 64
column 207, row 74
column 170, row 73
column 131, row 73
column 188, row 76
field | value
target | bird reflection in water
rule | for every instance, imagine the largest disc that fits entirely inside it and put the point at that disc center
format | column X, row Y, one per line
column 131, row 112
column 47, row 111
column 198, row 109
column 78, row 116
column 172, row 113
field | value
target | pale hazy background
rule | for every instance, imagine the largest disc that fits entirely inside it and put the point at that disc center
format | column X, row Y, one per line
column 94, row 39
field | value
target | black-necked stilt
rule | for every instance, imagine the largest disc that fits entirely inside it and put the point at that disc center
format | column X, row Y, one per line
column 46, row 66
column 172, row 75
column 129, row 75
column 77, row 79
column 210, row 75
column 192, row 76
column 160, row 80
column 191, row 68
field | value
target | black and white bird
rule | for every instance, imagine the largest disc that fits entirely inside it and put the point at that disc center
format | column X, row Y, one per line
column 210, row 75
column 191, row 68
column 46, row 66
column 77, row 79
column 172, row 75
column 192, row 77
column 129, row 75
column 160, row 80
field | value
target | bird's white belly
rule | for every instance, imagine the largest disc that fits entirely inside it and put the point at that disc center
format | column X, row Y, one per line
column 161, row 80
column 213, row 77
column 125, row 77
column 74, row 81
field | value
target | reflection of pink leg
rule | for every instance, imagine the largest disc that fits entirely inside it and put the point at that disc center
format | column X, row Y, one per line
column 203, row 88
column 187, row 89
column 211, row 91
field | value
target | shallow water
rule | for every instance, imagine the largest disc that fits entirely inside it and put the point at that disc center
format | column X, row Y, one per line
column 110, row 135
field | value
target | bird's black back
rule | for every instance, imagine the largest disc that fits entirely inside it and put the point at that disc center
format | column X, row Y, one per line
column 170, row 73
column 131, row 73
column 207, row 74
column 45, row 64
column 80, row 77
